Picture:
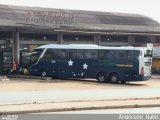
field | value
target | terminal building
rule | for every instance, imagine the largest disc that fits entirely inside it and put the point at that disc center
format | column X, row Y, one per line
column 24, row 28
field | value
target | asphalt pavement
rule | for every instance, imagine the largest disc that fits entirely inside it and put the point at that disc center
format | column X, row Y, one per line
column 66, row 100
column 57, row 100
column 65, row 95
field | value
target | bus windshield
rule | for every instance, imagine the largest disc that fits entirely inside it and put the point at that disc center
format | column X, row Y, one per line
column 34, row 56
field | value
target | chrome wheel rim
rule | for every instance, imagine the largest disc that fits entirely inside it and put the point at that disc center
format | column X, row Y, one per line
column 114, row 79
column 102, row 78
column 44, row 74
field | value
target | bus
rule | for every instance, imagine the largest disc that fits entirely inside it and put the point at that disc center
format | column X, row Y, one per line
column 106, row 64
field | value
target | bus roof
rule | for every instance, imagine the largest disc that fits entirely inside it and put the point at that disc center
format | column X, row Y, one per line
column 88, row 46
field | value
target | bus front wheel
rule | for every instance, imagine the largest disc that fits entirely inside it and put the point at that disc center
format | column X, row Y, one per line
column 114, row 78
column 101, row 77
column 43, row 73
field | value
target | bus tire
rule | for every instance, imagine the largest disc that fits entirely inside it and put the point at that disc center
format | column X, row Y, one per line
column 101, row 77
column 114, row 78
column 43, row 73
column 123, row 82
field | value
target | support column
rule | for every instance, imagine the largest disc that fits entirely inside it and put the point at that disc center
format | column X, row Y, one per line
column 97, row 39
column 60, row 38
column 16, row 53
column 131, row 40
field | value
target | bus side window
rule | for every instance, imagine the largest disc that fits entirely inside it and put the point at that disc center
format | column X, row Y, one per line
column 101, row 54
column 106, row 54
column 90, row 54
column 120, row 55
column 137, row 53
column 130, row 55
column 87, row 54
column 110, row 55
column 49, row 54
column 77, row 54
column 62, row 54
column 94, row 54
column 134, row 54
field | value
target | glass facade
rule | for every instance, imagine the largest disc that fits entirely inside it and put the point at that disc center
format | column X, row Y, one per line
column 27, row 47
column 146, row 39
column 38, row 37
column 111, row 38
column 6, row 47
column 78, row 38
column 5, row 35
column 5, row 52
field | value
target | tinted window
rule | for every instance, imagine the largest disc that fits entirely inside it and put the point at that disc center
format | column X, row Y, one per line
column 132, row 55
column 110, row 54
column 34, row 56
column 78, row 38
column 111, row 38
column 120, row 55
column 77, row 54
column 90, row 54
column 49, row 54
column 62, row 54
column 103, row 54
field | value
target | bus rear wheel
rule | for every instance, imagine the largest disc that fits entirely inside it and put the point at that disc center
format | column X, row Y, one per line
column 101, row 77
column 114, row 78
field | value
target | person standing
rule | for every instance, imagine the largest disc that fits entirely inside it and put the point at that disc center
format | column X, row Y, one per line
column 14, row 67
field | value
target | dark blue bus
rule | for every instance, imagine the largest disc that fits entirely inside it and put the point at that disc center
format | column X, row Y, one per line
column 106, row 64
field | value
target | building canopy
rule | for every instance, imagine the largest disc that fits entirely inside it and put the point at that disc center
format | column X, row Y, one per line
column 29, row 18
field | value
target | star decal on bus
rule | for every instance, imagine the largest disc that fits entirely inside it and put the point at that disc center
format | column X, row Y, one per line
column 85, row 66
column 70, row 63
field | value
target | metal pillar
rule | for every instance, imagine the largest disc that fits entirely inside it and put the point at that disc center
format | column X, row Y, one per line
column 16, row 53
column 60, row 38
column 97, row 39
column 131, row 40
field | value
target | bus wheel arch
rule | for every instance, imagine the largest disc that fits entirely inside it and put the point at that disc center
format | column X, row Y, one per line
column 114, row 77
column 123, row 82
column 101, row 77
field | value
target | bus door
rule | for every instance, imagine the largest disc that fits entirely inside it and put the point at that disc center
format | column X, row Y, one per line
column 147, row 68
column 55, row 62
column 62, row 65
column 145, row 63
column 48, row 63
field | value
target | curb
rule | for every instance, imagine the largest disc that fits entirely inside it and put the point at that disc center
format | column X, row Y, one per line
column 4, row 78
column 82, row 100
column 76, row 109
column 42, row 107
column 29, row 77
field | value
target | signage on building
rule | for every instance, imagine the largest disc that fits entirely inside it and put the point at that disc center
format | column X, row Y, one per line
column 49, row 17
column 156, row 52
